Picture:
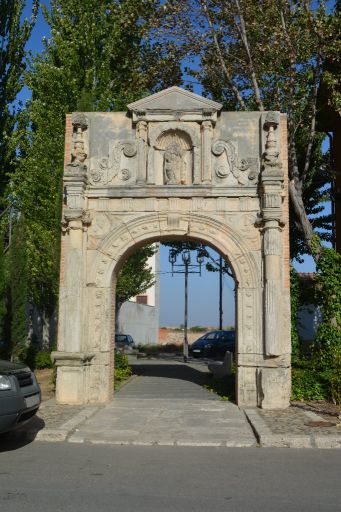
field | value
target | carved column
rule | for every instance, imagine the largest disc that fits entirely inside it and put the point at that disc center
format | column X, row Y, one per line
column 141, row 135
column 272, row 179
column 272, row 288
column 71, row 360
column 273, row 380
column 207, row 130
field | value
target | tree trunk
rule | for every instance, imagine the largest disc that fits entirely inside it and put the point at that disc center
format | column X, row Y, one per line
column 303, row 221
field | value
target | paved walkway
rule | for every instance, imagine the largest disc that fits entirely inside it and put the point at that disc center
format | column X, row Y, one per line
column 165, row 404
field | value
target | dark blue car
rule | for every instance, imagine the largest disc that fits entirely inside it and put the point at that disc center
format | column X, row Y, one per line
column 19, row 394
column 214, row 344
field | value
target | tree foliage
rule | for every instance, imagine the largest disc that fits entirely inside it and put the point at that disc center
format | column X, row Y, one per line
column 14, row 34
column 13, row 38
column 19, row 293
column 136, row 276
column 97, row 59
column 328, row 291
column 267, row 55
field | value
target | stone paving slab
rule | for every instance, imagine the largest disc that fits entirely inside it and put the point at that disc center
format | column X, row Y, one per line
column 167, row 405
column 167, row 422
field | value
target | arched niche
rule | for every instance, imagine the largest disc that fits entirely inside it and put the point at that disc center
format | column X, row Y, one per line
column 174, row 157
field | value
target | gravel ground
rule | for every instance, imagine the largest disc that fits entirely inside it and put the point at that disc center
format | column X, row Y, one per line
column 296, row 422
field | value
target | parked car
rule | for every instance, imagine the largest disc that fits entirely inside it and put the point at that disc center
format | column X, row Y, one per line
column 124, row 341
column 214, row 344
column 20, row 394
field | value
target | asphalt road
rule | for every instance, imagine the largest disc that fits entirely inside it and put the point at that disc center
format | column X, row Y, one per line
column 64, row 477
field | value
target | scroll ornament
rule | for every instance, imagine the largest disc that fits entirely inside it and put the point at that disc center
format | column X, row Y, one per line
column 108, row 168
column 244, row 169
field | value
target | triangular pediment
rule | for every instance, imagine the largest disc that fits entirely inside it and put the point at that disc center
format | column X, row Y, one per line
column 175, row 99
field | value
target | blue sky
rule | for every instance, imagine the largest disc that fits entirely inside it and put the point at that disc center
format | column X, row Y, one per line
column 203, row 295
column 203, row 291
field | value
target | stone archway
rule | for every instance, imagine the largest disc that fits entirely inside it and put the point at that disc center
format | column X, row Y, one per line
column 175, row 169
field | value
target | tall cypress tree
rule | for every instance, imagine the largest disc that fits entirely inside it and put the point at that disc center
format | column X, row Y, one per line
column 99, row 58
column 14, row 34
column 13, row 38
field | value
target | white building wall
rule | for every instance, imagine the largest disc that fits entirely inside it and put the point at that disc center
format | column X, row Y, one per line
column 139, row 320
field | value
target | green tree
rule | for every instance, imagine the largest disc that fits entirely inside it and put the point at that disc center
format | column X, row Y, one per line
column 18, row 291
column 268, row 55
column 98, row 58
column 135, row 276
column 14, row 34
column 274, row 55
column 13, row 38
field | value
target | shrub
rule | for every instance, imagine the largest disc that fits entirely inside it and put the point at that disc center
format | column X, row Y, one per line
column 169, row 348
column 295, row 294
column 307, row 385
column 43, row 360
column 334, row 378
column 122, row 369
column 327, row 345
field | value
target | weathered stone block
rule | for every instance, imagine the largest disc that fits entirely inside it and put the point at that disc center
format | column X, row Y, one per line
column 274, row 388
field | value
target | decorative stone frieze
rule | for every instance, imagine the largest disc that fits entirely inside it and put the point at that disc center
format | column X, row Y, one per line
column 174, row 166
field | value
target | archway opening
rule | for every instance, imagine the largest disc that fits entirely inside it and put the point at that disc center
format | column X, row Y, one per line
column 182, row 327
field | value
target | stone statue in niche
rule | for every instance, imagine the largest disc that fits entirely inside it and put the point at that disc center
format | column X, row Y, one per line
column 173, row 164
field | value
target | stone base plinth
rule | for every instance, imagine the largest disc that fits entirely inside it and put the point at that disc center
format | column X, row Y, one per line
column 268, row 388
column 72, row 373
column 274, row 385
column 83, row 378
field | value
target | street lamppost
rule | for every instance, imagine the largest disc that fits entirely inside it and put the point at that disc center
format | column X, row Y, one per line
column 188, row 269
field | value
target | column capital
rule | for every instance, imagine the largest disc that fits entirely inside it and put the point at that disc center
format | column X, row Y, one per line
column 74, row 219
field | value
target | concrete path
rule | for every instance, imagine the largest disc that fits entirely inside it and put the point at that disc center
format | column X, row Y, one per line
column 165, row 404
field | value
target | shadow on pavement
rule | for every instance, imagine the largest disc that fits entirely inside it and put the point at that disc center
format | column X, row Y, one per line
column 195, row 371
column 171, row 371
column 22, row 435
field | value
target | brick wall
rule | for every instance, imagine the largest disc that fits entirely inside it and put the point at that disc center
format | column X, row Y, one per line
column 286, row 246
column 167, row 336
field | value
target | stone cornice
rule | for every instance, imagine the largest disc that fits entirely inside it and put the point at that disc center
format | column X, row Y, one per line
column 170, row 191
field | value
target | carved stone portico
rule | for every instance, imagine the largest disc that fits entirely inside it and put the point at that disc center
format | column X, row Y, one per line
column 175, row 166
